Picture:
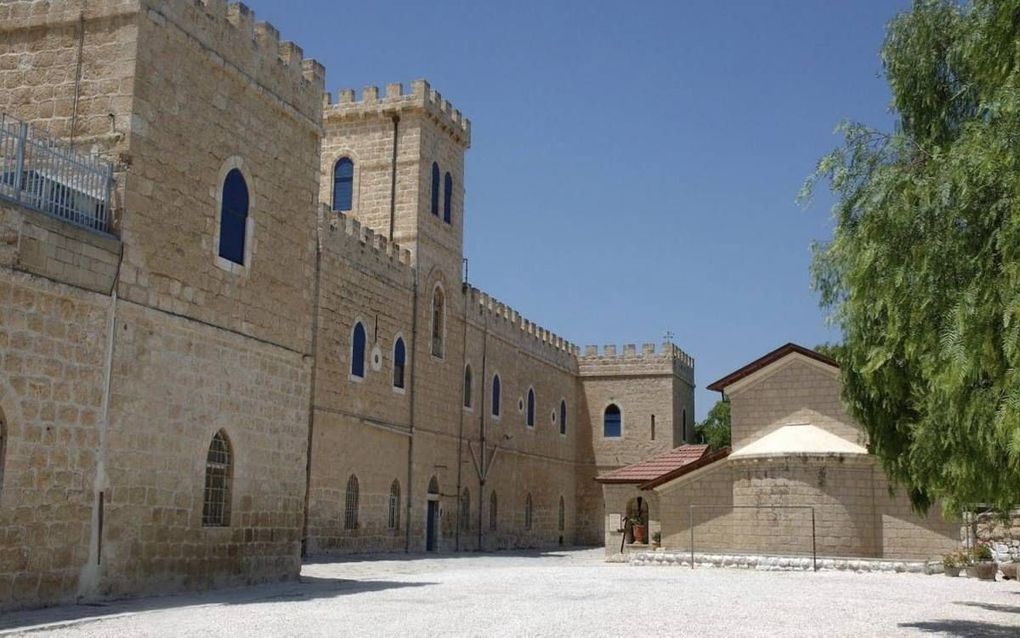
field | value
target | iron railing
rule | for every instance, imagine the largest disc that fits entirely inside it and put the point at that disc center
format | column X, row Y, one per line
column 47, row 175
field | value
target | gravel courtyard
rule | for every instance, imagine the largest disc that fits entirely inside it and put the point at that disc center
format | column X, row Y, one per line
column 559, row 593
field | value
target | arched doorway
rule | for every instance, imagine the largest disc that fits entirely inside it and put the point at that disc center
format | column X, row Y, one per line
column 432, row 516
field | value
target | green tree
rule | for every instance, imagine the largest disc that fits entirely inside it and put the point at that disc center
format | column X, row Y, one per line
column 922, row 274
column 715, row 429
column 831, row 350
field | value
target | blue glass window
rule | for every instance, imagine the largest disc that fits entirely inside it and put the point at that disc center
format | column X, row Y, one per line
column 447, row 197
column 495, row 395
column 612, row 423
column 563, row 417
column 358, row 351
column 233, row 217
column 399, row 359
column 435, row 189
column 343, row 185
column 531, row 408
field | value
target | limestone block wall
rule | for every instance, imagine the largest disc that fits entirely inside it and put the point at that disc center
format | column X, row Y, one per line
column 796, row 392
column 711, row 490
column 53, row 345
column 616, row 498
column 907, row 534
column 176, row 383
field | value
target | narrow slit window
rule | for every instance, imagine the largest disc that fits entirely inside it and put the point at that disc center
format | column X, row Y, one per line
column 447, row 198
column 493, row 512
column 563, row 417
column 393, row 517
column 563, row 515
column 435, row 189
column 438, row 316
column 496, row 395
column 527, row 511
column 467, row 386
column 531, row 408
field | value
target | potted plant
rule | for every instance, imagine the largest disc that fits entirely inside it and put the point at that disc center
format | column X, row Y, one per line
column 637, row 525
column 981, row 565
column 952, row 563
column 657, row 539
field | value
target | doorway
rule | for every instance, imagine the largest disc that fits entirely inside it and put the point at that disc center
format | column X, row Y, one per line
column 432, row 514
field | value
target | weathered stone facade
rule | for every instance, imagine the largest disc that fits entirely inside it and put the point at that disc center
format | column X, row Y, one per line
column 123, row 354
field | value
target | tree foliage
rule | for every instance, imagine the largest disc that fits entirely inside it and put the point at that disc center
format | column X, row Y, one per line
column 922, row 274
column 715, row 429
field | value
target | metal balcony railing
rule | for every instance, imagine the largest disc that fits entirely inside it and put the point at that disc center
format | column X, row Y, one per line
column 45, row 174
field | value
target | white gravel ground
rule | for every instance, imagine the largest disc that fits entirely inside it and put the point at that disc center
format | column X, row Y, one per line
column 569, row 593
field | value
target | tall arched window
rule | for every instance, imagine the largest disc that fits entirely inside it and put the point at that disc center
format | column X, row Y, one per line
column 399, row 361
column 465, row 510
column 527, row 511
column 563, row 515
column 343, row 185
column 563, row 417
column 438, row 316
column 393, row 518
column 447, row 198
column 531, row 408
column 467, row 386
column 612, row 422
column 351, row 503
column 358, row 342
column 493, row 512
column 233, row 217
column 435, row 189
column 496, row 394
column 218, row 474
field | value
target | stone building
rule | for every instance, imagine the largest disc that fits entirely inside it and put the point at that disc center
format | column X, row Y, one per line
column 234, row 327
column 799, row 478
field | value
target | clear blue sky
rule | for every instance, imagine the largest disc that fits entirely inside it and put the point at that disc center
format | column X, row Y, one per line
column 633, row 167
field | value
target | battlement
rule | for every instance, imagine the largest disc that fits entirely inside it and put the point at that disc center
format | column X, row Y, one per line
column 343, row 233
column 422, row 97
column 666, row 357
column 544, row 341
column 234, row 38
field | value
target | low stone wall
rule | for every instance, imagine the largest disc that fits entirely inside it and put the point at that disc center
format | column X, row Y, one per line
column 775, row 563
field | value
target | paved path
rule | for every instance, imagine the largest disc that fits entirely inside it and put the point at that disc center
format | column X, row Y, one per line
column 569, row 593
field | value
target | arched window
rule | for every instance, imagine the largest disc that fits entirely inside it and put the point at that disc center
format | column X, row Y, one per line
column 612, row 422
column 438, row 315
column 351, row 504
column 563, row 417
column 563, row 515
column 527, row 511
column 233, row 217
column 447, row 198
column 399, row 360
column 358, row 342
column 465, row 510
column 218, row 473
column 496, row 394
column 343, row 185
column 393, row 519
column 493, row 511
column 467, row 386
column 435, row 189
column 531, row 408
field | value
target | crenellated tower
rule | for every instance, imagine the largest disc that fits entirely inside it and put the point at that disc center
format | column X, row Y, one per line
column 395, row 163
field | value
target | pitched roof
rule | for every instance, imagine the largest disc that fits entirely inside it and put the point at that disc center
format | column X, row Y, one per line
column 704, row 461
column 767, row 360
column 653, row 468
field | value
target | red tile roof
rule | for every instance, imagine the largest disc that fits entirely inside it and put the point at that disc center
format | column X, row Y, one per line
column 769, row 359
column 653, row 468
column 704, row 461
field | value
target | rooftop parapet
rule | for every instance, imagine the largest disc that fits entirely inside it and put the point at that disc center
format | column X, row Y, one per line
column 343, row 229
column 422, row 97
column 611, row 356
column 499, row 311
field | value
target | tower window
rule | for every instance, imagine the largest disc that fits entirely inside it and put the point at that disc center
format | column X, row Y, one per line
column 233, row 217
column 218, row 474
column 467, row 386
column 343, row 185
column 435, row 189
column 358, row 342
column 653, row 427
column 399, row 361
column 612, row 422
column 563, row 515
column 563, row 417
column 496, row 394
column 447, row 198
column 393, row 518
column 531, row 408
column 351, row 503
column 438, row 317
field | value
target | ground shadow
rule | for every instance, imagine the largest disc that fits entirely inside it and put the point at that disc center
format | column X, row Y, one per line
column 306, row 588
column 965, row 628
column 331, row 559
column 1006, row 609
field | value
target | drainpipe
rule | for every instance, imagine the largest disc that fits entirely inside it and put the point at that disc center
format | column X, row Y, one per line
column 465, row 293
column 410, row 421
column 483, row 471
column 311, row 392
column 393, row 176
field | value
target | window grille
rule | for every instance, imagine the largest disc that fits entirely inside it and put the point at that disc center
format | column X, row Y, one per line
column 216, row 506
column 527, row 511
column 343, row 185
column 465, row 510
column 351, row 505
column 612, row 422
column 493, row 512
column 393, row 519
